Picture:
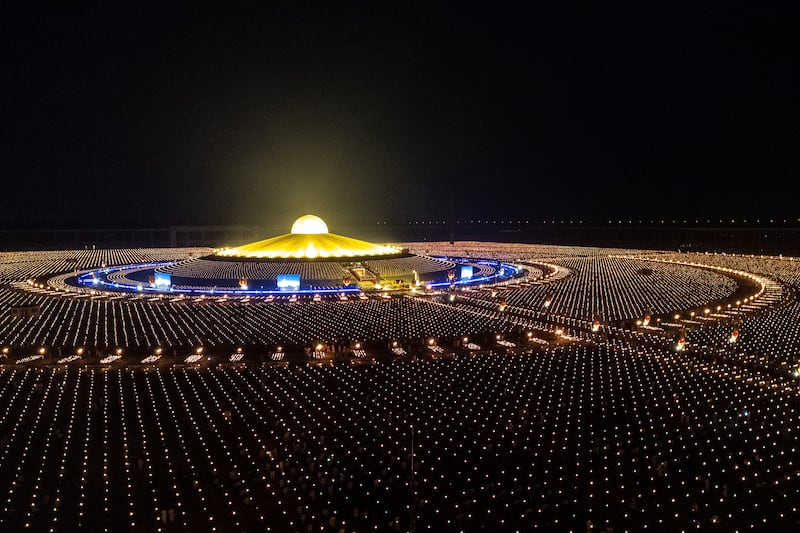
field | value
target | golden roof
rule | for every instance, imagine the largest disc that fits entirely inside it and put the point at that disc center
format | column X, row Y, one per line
column 309, row 239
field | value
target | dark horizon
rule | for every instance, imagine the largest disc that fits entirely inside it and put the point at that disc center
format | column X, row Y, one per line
column 771, row 237
column 279, row 226
column 366, row 113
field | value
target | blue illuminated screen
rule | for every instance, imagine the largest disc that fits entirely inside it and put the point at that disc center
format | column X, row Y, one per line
column 466, row 271
column 163, row 279
column 289, row 282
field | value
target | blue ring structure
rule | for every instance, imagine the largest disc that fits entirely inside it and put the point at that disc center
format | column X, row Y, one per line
column 141, row 272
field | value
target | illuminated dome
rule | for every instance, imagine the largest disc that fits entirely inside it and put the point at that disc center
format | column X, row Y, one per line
column 309, row 239
column 309, row 225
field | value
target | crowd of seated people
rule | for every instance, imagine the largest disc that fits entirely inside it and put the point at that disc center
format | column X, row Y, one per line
column 228, row 273
column 616, row 432
column 390, row 268
column 577, row 438
column 615, row 289
column 608, row 286
column 137, row 322
column 770, row 336
column 15, row 266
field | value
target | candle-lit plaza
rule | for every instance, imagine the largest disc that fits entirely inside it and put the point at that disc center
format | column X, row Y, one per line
column 619, row 388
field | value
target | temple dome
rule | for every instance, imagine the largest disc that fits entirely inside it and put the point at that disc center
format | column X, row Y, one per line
column 309, row 225
column 308, row 239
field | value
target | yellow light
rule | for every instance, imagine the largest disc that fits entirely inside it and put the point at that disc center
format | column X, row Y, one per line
column 119, row 351
column 309, row 238
column 309, row 225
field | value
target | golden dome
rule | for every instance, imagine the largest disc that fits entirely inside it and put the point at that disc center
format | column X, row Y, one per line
column 309, row 225
column 309, row 239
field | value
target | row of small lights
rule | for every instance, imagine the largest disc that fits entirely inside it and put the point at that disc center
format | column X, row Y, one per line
column 663, row 221
column 198, row 351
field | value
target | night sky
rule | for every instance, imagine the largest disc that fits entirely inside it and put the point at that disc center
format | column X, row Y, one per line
column 360, row 113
